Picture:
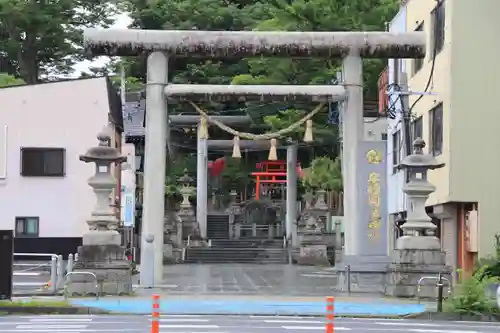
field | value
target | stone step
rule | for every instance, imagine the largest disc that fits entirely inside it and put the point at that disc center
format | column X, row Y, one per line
column 247, row 243
column 229, row 255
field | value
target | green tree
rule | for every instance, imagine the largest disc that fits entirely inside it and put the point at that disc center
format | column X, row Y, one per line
column 321, row 15
column 7, row 80
column 43, row 38
column 324, row 173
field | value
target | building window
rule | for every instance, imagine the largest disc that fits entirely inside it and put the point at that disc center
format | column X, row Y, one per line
column 436, row 130
column 27, row 226
column 417, row 128
column 438, row 25
column 418, row 62
column 383, row 136
column 396, row 150
column 42, row 162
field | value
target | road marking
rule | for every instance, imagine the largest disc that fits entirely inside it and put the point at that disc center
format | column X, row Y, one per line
column 27, row 273
column 175, row 316
column 318, row 275
column 60, row 316
column 187, row 320
column 409, row 324
column 161, row 286
column 28, row 284
column 61, row 320
column 314, row 328
column 188, row 326
column 294, row 321
column 28, row 327
column 275, row 317
column 113, row 330
column 440, row 331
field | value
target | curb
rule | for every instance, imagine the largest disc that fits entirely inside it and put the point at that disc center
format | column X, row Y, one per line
column 431, row 316
column 50, row 310
column 450, row 316
column 58, row 294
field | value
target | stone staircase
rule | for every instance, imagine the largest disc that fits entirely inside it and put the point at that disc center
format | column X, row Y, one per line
column 244, row 251
column 217, row 226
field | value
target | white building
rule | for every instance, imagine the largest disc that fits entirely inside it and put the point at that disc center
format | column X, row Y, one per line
column 396, row 198
column 43, row 185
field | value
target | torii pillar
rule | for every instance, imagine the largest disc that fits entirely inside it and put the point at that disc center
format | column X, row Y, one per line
column 240, row 44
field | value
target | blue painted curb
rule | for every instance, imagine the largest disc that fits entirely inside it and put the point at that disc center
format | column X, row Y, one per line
column 231, row 307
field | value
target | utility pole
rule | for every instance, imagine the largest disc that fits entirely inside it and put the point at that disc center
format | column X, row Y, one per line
column 404, row 95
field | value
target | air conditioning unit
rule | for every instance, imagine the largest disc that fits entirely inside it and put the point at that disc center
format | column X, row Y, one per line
column 471, row 231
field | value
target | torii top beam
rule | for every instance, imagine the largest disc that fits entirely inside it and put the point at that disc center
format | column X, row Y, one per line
column 187, row 120
column 208, row 92
column 220, row 44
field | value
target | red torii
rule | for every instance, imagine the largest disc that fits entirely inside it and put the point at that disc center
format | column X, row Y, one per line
column 271, row 172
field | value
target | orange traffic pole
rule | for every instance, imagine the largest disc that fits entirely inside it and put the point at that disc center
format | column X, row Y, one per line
column 329, row 314
column 155, row 316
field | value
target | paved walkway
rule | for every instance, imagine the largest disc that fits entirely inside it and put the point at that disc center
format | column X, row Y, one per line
column 253, row 306
column 249, row 279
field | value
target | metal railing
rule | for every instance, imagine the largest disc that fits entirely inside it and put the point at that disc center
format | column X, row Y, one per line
column 55, row 265
column 67, row 282
column 439, row 286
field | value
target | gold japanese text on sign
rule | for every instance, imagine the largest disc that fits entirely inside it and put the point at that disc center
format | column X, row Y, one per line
column 374, row 157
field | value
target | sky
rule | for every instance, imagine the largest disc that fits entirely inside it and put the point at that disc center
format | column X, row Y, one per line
column 122, row 21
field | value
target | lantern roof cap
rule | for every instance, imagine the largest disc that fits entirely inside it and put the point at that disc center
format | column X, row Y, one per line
column 419, row 160
column 103, row 152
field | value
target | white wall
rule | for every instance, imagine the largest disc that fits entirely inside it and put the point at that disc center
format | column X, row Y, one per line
column 66, row 115
column 374, row 128
column 396, row 198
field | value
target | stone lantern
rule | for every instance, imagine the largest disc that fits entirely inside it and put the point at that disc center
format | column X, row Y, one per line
column 103, row 221
column 186, row 191
column 418, row 252
column 101, row 252
column 419, row 231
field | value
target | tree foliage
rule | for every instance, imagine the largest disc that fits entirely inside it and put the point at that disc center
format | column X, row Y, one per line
column 40, row 39
column 324, row 173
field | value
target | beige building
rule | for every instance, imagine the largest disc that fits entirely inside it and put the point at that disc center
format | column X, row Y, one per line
column 458, row 121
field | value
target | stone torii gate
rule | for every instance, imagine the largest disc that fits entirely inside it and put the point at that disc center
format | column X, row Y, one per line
column 350, row 46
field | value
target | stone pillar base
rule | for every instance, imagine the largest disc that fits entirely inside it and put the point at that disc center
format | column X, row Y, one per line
column 409, row 266
column 313, row 255
column 312, row 250
column 362, row 274
column 108, row 263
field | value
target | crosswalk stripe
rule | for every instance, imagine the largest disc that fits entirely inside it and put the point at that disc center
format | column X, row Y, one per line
column 186, row 320
column 314, row 328
column 276, row 317
column 416, row 330
column 61, row 320
column 29, row 326
column 188, row 326
column 294, row 321
column 52, row 330
column 409, row 324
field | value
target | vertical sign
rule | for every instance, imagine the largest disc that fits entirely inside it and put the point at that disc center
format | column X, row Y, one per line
column 372, row 196
column 128, row 209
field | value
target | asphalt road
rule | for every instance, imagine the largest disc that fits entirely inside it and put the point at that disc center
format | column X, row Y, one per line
column 229, row 324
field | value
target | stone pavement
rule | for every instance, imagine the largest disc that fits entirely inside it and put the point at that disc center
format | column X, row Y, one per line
column 249, row 279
